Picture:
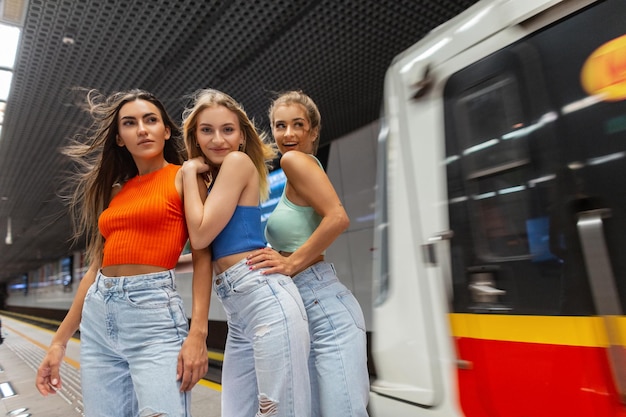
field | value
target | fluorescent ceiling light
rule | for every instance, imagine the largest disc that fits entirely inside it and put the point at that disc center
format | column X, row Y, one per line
column 5, row 84
column 9, row 37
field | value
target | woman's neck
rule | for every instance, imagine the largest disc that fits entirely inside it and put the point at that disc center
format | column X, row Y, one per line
column 149, row 167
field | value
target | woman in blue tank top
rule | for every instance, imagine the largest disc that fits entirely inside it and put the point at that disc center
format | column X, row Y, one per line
column 306, row 221
column 265, row 361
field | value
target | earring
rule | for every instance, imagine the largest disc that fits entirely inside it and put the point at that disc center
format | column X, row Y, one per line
column 241, row 147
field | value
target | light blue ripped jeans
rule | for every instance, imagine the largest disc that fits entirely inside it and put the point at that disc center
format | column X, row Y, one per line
column 131, row 332
column 265, row 369
column 338, row 358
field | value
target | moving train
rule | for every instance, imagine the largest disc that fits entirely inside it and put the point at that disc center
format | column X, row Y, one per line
column 488, row 247
column 500, row 268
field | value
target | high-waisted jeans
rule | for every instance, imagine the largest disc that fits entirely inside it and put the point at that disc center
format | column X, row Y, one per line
column 131, row 332
column 265, row 370
column 338, row 358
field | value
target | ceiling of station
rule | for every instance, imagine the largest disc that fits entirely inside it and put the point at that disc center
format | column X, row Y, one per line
column 335, row 50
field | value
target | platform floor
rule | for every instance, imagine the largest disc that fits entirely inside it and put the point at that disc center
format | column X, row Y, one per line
column 22, row 351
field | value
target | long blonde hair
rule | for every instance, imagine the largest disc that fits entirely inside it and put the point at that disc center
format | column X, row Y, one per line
column 255, row 142
column 100, row 163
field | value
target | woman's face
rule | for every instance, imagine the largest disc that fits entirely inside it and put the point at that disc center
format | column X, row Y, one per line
column 218, row 133
column 292, row 130
column 141, row 129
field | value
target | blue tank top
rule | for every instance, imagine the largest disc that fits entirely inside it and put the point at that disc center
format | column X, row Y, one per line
column 242, row 233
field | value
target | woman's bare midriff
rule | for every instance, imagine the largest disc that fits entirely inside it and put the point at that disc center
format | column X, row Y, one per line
column 127, row 270
column 222, row 264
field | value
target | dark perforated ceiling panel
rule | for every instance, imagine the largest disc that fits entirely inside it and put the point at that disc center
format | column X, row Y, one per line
column 337, row 51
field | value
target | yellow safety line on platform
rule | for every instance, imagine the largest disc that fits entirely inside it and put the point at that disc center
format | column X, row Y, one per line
column 210, row 384
column 212, row 355
column 26, row 316
column 216, row 356
column 70, row 361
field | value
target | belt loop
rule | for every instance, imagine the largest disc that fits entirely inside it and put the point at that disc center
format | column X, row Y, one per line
column 97, row 281
column 319, row 276
column 228, row 279
column 172, row 278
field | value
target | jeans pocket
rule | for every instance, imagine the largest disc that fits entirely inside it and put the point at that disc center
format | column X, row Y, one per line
column 248, row 284
column 179, row 317
column 354, row 308
column 148, row 298
column 289, row 286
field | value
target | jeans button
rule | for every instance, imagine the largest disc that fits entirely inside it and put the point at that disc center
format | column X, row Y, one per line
column 218, row 281
column 108, row 284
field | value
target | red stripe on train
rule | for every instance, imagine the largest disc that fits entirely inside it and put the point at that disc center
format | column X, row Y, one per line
column 517, row 379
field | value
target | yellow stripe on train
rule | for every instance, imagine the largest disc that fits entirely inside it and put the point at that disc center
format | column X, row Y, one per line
column 556, row 330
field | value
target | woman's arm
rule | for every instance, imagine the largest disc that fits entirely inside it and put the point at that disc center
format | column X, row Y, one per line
column 48, row 379
column 206, row 220
column 310, row 186
column 193, row 361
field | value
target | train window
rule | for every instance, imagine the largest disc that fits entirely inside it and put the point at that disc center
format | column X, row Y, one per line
column 500, row 212
column 485, row 114
column 531, row 152
column 493, row 162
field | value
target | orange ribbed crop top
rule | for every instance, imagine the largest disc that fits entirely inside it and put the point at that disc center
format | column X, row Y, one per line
column 145, row 222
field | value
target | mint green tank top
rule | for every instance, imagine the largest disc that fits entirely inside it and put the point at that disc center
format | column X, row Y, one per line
column 290, row 225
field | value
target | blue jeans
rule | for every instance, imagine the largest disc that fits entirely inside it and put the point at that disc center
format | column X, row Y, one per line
column 131, row 332
column 338, row 358
column 265, row 369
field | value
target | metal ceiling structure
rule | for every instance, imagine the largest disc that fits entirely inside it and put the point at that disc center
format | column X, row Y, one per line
column 335, row 50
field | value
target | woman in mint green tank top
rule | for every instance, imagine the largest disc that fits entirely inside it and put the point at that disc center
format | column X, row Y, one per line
column 306, row 221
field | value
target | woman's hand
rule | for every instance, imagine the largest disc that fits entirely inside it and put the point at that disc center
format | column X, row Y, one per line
column 48, row 380
column 195, row 166
column 271, row 262
column 193, row 362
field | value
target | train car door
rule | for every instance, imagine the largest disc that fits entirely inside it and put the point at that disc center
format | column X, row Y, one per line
column 404, row 322
column 536, row 179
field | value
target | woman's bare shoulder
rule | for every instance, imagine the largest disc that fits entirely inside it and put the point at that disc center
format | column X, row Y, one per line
column 237, row 159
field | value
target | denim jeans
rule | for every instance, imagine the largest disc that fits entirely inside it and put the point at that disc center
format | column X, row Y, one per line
column 131, row 331
column 265, row 370
column 338, row 358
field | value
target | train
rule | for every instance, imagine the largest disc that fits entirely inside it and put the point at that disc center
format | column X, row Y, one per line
column 487, row 243
column 500, row 269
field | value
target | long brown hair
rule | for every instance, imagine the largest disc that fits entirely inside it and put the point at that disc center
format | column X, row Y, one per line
column 255, row 142
column 101, row 164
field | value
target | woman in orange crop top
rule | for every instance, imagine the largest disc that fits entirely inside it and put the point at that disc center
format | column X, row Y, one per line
column 338, row 363
column 138, row 354
column 265, row 360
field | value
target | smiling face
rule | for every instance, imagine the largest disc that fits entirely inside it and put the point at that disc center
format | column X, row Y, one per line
column 218, row 133
column 292, row 130
column 141, row 129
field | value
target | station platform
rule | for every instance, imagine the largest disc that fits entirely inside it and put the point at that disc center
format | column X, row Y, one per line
column 21, row 353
